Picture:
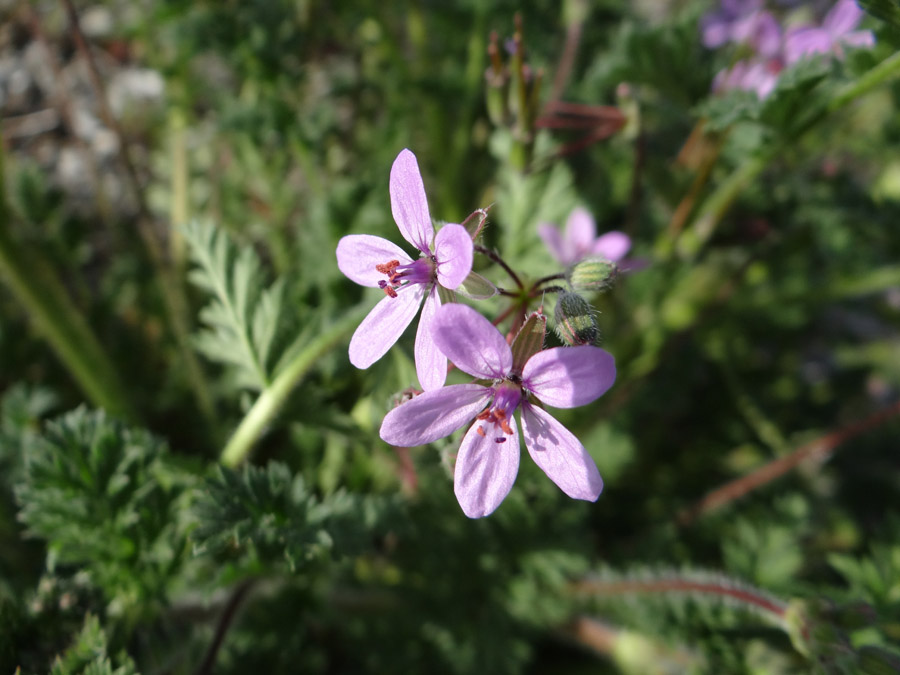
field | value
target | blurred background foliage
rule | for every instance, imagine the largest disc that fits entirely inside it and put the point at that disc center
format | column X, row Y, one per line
column 760, row 320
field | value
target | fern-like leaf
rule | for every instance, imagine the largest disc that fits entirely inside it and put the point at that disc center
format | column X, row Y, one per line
column 270, row 516
column 243, row 321
column 103, row 497
column 89, row 655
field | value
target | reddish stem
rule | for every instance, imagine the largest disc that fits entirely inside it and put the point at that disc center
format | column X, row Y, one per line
column 817, row 449
column 749, row 597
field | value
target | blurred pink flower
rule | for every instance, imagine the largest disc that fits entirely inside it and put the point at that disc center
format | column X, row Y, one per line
column 580, row 240
column 837, row 31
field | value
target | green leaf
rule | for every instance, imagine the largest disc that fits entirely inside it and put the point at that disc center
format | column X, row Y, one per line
column 268, row 515
column 723, row 110
column 244, row 321
column 89, row 655
column 103, row 497
column 886, row 10
column 796, row 99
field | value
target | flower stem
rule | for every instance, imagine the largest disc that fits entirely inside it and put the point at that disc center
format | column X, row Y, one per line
column 722, row 588
column 495, row 257
column 55, row 316
column 820, row 449
column 273, row 398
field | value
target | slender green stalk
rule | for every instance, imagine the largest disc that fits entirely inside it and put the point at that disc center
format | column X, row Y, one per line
column 273, row 398
column 55, row 316
column 718, row 203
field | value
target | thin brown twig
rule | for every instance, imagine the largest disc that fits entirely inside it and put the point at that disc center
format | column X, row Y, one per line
column 818, row 449
column 225, row 621
column 548, row 278
column 495, row 257
column 566, row 60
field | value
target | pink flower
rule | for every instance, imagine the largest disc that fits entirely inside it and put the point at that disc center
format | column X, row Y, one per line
column 757, row 75
column 445, row 259
column 581, row 241
column 488, row 459
column 837, row 31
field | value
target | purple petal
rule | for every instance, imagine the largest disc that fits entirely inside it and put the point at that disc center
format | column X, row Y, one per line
column 766, row 38
column 843, row 18
column 485, row 470
column 431, row 364
column 858, row 38
column 408, row 202
column 560, row 455
column 759, row 78
column 357, row 255
column 612, row 245
column 567, row 377
column 553, row 240
column 383, row 326
column 471, row 342
column 802, row 42
column 434, row 414
column 716, row 31
column 453, row 249
column 580, row 233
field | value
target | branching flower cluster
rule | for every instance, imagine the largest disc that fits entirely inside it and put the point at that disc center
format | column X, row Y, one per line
column 511, row 374
column 771, row 47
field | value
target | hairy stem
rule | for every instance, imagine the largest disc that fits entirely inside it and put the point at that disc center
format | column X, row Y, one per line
column 225, row 621
column 495, row 257
column 819, row 449
column 747, row 596
column 273, row 398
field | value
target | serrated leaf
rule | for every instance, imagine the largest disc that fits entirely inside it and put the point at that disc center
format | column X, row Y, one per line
column 89, row 655
column 794, row 99
column 722, row 111
column 244, row 320
column 102, row 497
column 268, row 515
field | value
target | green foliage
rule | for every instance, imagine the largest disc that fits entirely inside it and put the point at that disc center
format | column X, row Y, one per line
column 104, row 498
column 665, row 56
column 886, row 10
column 756, row 313
column 89, row 655
column 267, row 516
column 246, row 325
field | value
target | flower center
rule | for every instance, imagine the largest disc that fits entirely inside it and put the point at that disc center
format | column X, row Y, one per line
column 506, row 399
column 421, row 271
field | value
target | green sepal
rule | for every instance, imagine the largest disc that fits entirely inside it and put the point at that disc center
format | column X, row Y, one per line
column 476, row 287
column 529, row 340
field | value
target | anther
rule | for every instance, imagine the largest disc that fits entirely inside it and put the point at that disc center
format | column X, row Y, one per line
column 501, row 439
column 480, row 431
column 388, row 267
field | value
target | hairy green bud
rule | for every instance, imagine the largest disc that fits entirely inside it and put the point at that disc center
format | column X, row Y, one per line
column 575, row 322
column 593, row 274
